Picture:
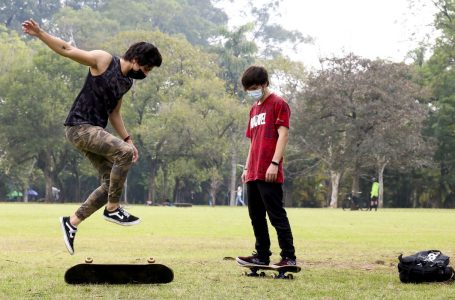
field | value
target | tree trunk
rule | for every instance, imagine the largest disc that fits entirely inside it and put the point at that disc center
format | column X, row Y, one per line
column 176, row 189
column 233, row 180
column 335, row 181
column 215, row 183
column 151, row 189
column 212, row 192
column 165, row 184
column 25, row 194
column 125, row 191
column 78, row 188
column 355, row 182
column 414, row 197
column 27, row 183
column 48, row 178
column 44, row 163
column 328, row 195
column 152, row 185
column 381, row 184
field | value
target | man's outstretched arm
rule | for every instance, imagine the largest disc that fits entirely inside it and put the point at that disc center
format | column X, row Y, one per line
column 96, row 59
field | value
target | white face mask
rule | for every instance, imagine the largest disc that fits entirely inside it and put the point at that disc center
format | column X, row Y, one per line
column 256, row 94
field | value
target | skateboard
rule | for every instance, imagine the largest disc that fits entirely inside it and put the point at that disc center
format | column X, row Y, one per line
column 90, row 273
column 280, row 275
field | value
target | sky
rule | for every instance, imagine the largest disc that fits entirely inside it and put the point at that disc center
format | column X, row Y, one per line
column 386, row 29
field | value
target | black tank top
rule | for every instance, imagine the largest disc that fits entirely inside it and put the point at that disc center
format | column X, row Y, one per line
column 99, row 96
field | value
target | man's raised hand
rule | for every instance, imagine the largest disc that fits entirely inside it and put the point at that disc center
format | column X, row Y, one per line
column 31, row 27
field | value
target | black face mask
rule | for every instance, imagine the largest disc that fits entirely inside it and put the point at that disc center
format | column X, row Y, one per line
column 136, row 74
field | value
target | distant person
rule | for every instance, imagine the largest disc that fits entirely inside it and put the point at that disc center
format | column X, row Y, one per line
column 374, row 195
column 108, row 79
column 268, row 129
column 238, row 198
column 55, row 193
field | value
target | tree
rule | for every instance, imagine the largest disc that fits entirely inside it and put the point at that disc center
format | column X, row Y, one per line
column 197, row 20
column 235, row 53
column 272, row 36
column 84, row 28
column 36, row 98
column 288, row 79
column 181, row 111
column 14, row 12
column 327, row 113
column 237, row 49
column 359, row 113
column 397, row 115
column 440, row 78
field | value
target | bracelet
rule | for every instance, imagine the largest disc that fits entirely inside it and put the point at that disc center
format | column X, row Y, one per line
column 127, row 139
column 275, row 163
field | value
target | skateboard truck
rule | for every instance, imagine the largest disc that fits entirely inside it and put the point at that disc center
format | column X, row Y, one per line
column 282, row 275
column 254, row 273
column 282, row 272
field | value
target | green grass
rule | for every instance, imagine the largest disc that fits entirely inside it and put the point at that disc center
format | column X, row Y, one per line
column 345, row 254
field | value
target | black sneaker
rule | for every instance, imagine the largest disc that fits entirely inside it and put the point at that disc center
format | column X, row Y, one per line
column 120, row 216
column 252, row 260
column 69, row 232
column 285, row 262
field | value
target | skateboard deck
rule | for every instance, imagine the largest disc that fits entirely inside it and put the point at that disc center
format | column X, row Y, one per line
column 281, row 271
column 90, row 273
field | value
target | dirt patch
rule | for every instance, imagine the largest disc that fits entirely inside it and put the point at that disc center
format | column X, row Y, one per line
column 349, row 265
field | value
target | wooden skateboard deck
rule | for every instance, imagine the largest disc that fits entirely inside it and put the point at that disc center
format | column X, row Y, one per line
column 89, row 273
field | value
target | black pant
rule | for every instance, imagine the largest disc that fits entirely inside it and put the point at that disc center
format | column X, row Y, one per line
column 268, row 197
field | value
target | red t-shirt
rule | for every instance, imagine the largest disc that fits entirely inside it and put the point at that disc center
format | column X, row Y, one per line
column 262, row 129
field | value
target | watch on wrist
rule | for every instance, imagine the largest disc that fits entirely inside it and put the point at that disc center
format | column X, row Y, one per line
column 275, row 163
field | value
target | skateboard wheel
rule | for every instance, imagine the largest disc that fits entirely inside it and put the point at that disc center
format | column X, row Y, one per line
column 151, row 260
column 262, row 274
column 88, row 260
column 290, row 276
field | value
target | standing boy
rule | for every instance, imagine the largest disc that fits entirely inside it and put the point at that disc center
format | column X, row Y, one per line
column 268, row 129
column 99, row 101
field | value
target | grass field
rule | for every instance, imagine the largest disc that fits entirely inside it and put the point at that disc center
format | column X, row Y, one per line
column 344, row 254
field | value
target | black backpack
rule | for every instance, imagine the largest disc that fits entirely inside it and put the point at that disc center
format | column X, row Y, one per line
column 425, row 266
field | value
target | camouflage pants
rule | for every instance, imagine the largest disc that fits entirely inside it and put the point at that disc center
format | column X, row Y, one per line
column 111, row 156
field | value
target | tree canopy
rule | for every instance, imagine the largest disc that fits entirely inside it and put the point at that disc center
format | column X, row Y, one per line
column 352, row 119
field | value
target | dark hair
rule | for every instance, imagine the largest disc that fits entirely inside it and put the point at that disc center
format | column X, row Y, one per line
column 255, row 75
column 145, row 54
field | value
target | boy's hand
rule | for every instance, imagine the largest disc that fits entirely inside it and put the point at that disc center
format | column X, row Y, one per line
column 31, row 27
column 272, row 173
column 244, row 175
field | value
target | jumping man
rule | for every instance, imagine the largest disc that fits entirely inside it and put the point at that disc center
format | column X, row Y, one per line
column 108, row 79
